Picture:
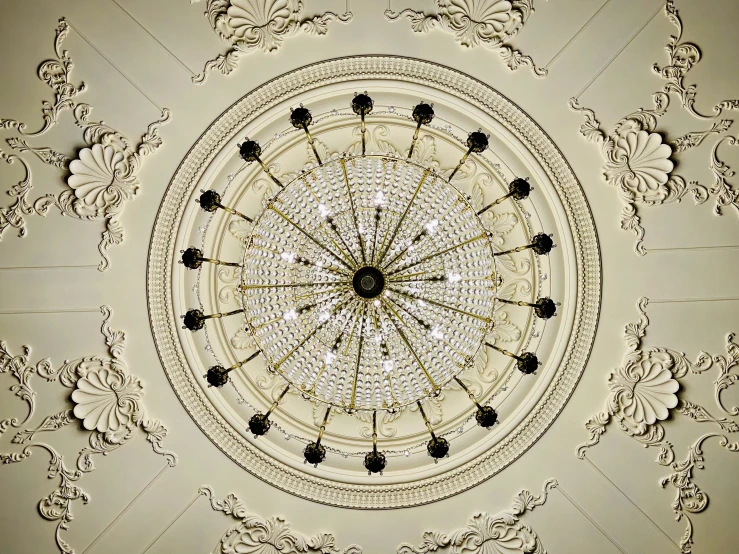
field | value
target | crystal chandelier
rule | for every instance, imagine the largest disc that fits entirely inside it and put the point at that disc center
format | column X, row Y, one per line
column 368, row 283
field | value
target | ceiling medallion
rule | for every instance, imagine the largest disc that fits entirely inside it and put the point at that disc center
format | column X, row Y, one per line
column 260, row 394
column 368, row 283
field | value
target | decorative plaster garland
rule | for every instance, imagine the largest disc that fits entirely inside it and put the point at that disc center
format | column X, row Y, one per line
column 644, row 391
column 107, row 402
column 485, row 532
column 249, row 25
column 637, row 157
column 490, row 23
column 163, row 247
column 490, row 534
column 102, row 177
column 256, row 535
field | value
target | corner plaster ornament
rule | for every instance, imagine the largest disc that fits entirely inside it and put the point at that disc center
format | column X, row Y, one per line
column 638, row 160
column 55, row 73
column 644, row 392
column 490, row 534
column 249, row 25
column 103, row 176
column 256, row 535
column 490, row 23
column 108, row 402
column 683, row 56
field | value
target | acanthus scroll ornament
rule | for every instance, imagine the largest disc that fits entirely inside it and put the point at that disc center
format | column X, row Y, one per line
column 638, row 160
column 108, row 402
column 104, row 174
column 490, row 534
column 490, row 23
column 256, row 535
column 644, row 391
column 683, row 56
column 250, row 25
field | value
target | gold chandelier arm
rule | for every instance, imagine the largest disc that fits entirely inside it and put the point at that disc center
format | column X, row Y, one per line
column 312, row 145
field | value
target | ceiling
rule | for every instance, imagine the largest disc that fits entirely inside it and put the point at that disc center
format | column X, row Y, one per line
column 621, row 113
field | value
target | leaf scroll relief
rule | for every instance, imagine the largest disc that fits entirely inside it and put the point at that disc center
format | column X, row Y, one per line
column 99, row 180
column 639, row 161
column 251, row 25
column 644, row 392
column 487, row 533
column 257, row 535
column 107, row 402
column 490, row 23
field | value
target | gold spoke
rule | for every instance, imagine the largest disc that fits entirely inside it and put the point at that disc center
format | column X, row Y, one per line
column 437, row 254
column 330, row 268
column 307, row 234
column 417, row 239
column 309, row 335
column 359, row 355
column 293, row 285
column 441, row 305
column 386, row 247
column 434, row 386
column 354, row 212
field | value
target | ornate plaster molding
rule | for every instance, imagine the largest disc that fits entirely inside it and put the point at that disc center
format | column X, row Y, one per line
column 683, row 56
column 487, row 533
column 638, row 159
column 644, row 392
column 108, row 402
column 586, row 268
column 257, row 535
column 490, row 23
column 250, row 25
column 56, row 74
column 104, row 174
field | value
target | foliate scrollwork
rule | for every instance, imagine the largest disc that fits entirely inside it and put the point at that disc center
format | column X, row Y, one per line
column 491, row 23
column 690, row 499
column 644, row 392
column 56, row 506
column 249, row 25
column 683, row 56
column 256, row 535
column 639, row 163
column 489, row 534
column 102, row 177
column 18, row 367
column 56, row 74
column 13, row 215
column 108, row 402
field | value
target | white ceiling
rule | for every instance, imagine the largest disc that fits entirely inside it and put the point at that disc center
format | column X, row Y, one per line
column 138, row 58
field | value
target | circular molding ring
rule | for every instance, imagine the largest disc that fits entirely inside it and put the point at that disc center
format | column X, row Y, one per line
column 163, row 249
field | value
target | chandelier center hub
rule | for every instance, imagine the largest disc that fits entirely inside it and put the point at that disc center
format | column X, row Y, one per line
column 368, row 282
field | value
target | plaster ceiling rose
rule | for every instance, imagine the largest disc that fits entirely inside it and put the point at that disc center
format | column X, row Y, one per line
column 254, row 196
